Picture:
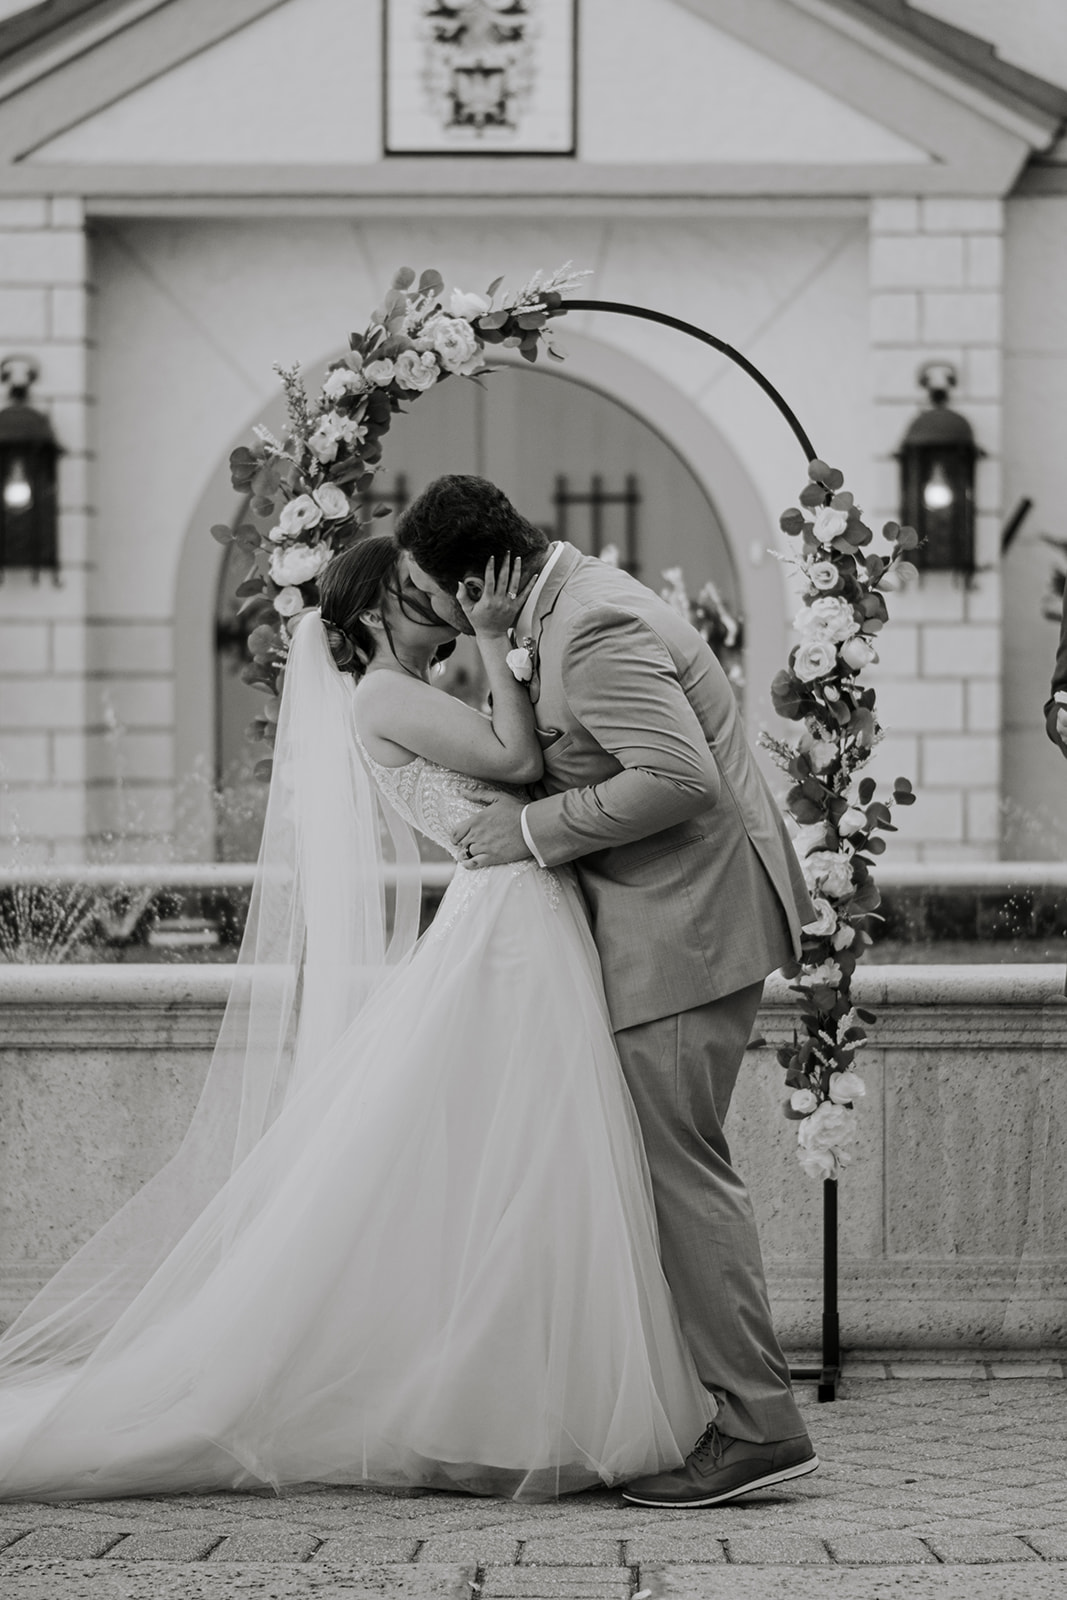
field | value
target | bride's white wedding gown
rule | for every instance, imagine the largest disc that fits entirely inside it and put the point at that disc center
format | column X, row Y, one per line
column 437, row 1267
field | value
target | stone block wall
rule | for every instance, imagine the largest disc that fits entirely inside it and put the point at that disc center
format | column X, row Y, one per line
column 953, row 1216
column 936, row 280
column 44, row 655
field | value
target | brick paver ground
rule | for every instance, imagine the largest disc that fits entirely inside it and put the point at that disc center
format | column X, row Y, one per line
column 949, row 1481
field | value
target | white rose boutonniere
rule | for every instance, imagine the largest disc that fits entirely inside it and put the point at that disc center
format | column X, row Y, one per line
column 520, row 661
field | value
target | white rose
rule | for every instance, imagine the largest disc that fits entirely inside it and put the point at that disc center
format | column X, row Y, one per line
column 467, row 306
column 817, row 1163
column 298, row 515
column 380, row 372
column 827, row 974
column 415, row 371
column 858, row 653
column 809, row 836
column 822, row 753
column 333, row 501
column 299, row 563
column 823, row 575
column 852, row 821
column 829, row 1128
column 520, row 664
column 829, row 615
column 814, row 659
column 845, row 936
column 829, row 871
column 341, row 381
column 455, row 343
column 825, row 922
column 829, row 524
column 276, row 535
column 804, row 1101
column 287, row 602
column 333, row 430
column 846, row 1087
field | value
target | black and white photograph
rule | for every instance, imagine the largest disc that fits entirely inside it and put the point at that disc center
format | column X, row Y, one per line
column 533, row 816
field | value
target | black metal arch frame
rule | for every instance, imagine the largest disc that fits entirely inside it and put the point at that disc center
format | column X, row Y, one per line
column 623, row 308
column 827, row 1375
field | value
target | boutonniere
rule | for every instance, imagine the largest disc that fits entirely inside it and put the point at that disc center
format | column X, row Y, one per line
column 521, row 660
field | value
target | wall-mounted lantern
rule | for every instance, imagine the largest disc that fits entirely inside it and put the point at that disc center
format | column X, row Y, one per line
column 937, row 461
column 28, row 457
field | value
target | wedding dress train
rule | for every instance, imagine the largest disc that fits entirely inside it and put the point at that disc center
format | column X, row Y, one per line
column 436, row 1266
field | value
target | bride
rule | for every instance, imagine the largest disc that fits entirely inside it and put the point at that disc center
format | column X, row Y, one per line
column 409, row 1237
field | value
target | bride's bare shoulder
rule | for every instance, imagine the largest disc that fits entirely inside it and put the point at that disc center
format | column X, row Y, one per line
column 382, row 696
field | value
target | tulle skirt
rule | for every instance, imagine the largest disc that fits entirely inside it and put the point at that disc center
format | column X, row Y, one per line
column 438, row 1267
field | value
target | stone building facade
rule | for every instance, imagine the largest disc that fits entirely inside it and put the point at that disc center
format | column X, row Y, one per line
column 843, row 189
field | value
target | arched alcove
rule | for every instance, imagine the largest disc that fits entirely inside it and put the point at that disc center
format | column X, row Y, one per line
column 543, row 433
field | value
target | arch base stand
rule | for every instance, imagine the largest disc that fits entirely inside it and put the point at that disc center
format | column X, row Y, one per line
column 828, row 1376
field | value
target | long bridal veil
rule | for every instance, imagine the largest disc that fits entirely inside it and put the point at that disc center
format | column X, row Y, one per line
column 322, row 931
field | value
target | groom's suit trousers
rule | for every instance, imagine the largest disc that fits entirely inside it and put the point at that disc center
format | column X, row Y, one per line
column 681, row 1072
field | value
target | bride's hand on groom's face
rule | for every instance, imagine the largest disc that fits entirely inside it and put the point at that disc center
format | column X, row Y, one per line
column 494, row 836
column 492, row 603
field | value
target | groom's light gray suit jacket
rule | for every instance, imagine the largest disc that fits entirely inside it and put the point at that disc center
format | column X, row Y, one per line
column 651, row 790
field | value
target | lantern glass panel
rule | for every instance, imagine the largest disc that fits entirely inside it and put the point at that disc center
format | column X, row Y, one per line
column 28, row 508
column 938, row 504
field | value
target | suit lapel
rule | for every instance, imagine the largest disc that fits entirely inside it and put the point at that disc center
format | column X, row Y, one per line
column 566, row 562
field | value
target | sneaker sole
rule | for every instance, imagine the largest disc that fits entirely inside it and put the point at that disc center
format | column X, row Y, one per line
column 800, row 1470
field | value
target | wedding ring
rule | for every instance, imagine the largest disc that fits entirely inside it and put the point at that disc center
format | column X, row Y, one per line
column 513, row 594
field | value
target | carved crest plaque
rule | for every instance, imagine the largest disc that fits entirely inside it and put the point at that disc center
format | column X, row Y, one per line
column 480, row 77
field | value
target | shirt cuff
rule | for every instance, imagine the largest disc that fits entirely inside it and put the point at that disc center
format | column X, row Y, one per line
column 527, row 836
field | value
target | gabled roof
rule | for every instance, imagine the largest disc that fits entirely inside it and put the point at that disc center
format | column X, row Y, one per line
column 973, row 59
column 937, row 108
column 48, row 22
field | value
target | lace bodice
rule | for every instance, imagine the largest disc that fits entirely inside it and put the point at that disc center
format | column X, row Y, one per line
column 434, row 799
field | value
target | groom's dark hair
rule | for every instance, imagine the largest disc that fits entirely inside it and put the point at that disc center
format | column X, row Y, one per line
column 459, row 522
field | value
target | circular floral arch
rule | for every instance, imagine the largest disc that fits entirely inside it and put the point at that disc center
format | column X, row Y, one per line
column 309, row 486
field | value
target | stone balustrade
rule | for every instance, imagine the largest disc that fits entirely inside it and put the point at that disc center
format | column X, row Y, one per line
column 953, row 1215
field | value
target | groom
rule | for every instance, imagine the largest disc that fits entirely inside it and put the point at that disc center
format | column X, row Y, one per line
column 695, row 896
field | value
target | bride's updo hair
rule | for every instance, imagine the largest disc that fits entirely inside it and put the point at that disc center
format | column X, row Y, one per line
column 355, row 581
column 361, row 579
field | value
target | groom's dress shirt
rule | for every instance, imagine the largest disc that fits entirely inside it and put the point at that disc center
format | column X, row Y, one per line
column 523, row 626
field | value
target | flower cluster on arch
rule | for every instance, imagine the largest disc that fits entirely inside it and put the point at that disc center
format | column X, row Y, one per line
column 313, row 487
column 839, row 822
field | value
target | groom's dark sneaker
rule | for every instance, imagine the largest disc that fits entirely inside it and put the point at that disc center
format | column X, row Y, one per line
column 719, row 1469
